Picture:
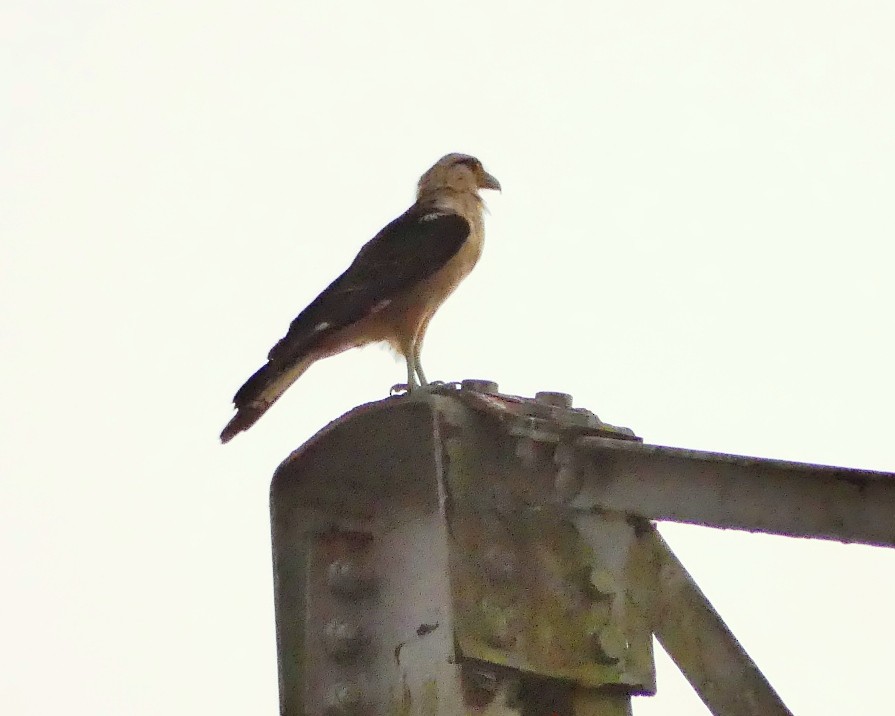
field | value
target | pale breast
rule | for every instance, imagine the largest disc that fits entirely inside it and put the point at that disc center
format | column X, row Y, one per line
column 442, row 284
column 411, row 312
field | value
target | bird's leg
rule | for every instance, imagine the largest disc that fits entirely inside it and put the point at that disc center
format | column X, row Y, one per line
column 416, row 377
column 418, row 365
column 412, row 382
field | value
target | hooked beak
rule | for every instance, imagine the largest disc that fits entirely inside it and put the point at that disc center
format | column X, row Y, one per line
column 486, row 181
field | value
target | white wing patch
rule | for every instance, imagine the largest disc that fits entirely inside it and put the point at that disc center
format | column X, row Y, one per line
column 432, row 216
column 322, row 326
column 384, row 303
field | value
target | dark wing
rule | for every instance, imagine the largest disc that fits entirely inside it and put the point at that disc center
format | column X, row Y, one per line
column 409, row 249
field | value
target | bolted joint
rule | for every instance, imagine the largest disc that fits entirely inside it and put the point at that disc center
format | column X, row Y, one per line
column 346, row 698
column 343, row 640
column 499, row 626
column 555, row 398
column 479, row 385
column 609, row 645
column 602, row 583
column 346, row 578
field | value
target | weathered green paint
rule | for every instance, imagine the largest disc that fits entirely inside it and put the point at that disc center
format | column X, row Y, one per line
column 550, row 606
column 429, row 698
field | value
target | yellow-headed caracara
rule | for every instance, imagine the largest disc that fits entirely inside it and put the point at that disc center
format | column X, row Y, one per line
column 391, row 290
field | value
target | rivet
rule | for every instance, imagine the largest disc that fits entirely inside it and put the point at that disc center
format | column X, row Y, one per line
column 346, row 578
column 479, row 385
column 610, row 645
column 603, row 582
column 552, row 397
column 342, row 640
column 498, row 631
column 345, row 699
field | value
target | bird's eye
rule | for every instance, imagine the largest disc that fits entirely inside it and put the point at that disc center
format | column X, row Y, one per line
column 470, row 162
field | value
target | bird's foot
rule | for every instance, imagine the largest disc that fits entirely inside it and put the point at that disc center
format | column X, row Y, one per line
column 400, row 389
column 439, row 385
column 436, row 386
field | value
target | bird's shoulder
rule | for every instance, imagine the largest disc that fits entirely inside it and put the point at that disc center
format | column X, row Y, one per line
column 426, row 227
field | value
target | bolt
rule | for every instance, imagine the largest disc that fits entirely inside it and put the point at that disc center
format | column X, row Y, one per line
column 479, row 385
column 603, row 582
column 610, row 645
column 347, row 579
column 497, row 624
column 551, row 397
column 345, row 699
column 342, row 640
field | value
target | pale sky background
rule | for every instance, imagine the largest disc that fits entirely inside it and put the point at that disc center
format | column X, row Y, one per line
column 694, row 239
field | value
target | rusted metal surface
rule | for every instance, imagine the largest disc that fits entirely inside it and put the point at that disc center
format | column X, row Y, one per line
column 468, row 552
column 548, row 417
column 340, row 625
column 699, row 642
column 418, row 664
column 379, row 633
column 418, row 572
column 355, row 525
column 732, row 491
column 537, row 587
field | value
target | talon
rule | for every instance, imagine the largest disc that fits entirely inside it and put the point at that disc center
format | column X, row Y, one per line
column 399, row 388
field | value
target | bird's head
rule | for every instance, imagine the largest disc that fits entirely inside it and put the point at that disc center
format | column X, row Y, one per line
column 457, row 172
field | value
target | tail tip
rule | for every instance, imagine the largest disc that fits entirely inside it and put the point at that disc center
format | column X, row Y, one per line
column 245, row 418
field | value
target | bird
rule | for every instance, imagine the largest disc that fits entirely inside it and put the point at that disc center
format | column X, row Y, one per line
column 389, row 293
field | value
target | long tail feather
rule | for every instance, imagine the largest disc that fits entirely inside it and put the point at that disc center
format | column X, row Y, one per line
column 259, row 392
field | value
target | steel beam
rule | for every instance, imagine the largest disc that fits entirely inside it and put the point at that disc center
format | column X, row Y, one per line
column 697, row 639
column 733, row 491
column 472, row 552
column 414, row 576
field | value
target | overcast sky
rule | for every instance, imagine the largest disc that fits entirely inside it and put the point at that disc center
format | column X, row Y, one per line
column 694, row 239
